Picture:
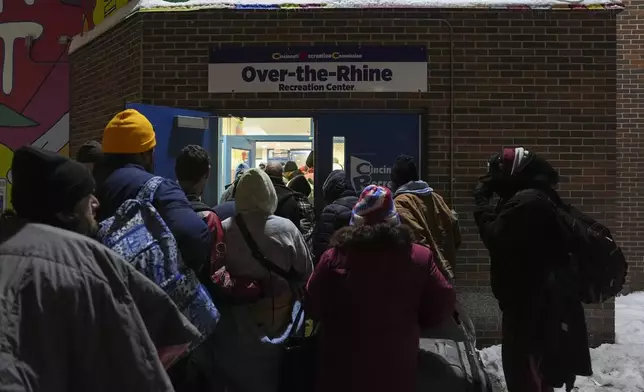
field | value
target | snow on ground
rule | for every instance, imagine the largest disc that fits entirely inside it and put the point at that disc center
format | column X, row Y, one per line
column 152, row 4
column 618, row 367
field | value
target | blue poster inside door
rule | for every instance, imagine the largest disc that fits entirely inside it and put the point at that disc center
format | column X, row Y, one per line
column 371, row 144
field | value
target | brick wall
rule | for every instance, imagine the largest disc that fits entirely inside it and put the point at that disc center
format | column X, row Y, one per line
column 104, row 75
column 630, row 139
column 543, row 80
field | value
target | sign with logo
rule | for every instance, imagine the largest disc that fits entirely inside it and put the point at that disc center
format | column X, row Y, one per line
column 364, row 173
column 318, row 69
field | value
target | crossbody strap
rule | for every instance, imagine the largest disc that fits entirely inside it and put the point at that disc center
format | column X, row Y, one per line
column 289, row 276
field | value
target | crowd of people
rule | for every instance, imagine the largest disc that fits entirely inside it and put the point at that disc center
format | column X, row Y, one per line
column 215, row 296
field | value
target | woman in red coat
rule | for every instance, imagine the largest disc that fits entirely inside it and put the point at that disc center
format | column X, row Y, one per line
column 372, row 293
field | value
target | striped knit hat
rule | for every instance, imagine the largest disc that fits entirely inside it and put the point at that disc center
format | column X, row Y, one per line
column 376, row 205
column 513, row 158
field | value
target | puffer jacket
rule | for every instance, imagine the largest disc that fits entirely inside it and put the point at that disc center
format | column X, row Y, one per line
column 340, row 198
column 433, row 222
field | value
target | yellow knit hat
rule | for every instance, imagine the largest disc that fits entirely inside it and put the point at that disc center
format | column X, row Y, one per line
column 129, row 132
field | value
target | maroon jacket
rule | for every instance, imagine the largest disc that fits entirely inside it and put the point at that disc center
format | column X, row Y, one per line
column 371, row 308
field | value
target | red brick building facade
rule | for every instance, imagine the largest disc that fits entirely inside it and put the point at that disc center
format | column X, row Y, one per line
column 542, row 79
column 630, row 139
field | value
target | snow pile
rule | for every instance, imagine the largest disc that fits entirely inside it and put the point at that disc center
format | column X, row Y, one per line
column 618, row 367
column 196, row 4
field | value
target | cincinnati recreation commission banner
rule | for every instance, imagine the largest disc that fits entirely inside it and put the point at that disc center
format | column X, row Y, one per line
column 268, row 69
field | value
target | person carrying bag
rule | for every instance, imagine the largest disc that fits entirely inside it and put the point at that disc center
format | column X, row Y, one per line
column 249, row 343
column 297, row 370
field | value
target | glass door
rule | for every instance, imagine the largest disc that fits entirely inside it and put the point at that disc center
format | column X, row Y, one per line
column 281, row 149
column 299, row 156
column 236, row 150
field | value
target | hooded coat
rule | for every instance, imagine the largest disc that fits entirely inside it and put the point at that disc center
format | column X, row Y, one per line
column 529, row 258
column 433, row 222
column 371, row 306
column 250, row 364
column 300, row 184
column 340, row 197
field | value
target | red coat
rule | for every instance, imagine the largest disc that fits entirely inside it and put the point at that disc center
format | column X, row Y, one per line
column 371, row 308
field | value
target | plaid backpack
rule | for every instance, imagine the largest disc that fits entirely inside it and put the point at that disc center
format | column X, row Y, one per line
column 138, row 233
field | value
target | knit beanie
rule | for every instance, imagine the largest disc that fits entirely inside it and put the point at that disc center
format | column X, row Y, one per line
column 404, row 170
column 290, row 167
column 513, row 158
column 89, row 152
column 129, row 132
column 45, row 183
column 524, row 165
column 375, row 205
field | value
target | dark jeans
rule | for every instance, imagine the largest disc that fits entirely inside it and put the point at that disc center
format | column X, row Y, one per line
column 521, row 356
column 195, row 373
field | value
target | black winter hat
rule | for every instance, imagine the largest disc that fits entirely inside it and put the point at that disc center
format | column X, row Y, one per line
column 45, row 183
column 90, row 152
column 290, row 167
column 300, row 184
column 310, row 160
column 404, row 170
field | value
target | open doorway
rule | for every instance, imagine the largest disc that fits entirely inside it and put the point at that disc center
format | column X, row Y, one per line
column 257, row 140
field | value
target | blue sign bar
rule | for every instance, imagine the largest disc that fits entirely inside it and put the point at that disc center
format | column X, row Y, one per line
column 318, row 54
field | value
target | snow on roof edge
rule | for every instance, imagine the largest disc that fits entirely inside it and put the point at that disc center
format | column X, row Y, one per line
column 192, row 5
column 135, row 6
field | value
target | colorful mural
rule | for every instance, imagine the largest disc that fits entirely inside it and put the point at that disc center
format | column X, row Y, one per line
column 34, row 90
column 105, row 8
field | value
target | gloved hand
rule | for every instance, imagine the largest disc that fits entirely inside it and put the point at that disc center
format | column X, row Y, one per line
column 495, row 164
column 483, row 192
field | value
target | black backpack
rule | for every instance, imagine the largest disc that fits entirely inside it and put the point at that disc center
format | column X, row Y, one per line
column 281, row 201
column 596, row 259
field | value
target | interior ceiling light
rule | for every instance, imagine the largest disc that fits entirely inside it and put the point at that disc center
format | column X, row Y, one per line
column 254, row 130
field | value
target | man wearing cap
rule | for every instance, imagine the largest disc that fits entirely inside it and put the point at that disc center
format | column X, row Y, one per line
column 128, row 155
column 68, row 187
column 84, row 319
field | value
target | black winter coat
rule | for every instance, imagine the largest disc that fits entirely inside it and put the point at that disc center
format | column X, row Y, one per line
column 530, row 278
column 340, row 198
column 288, row 208
column 525, row 241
